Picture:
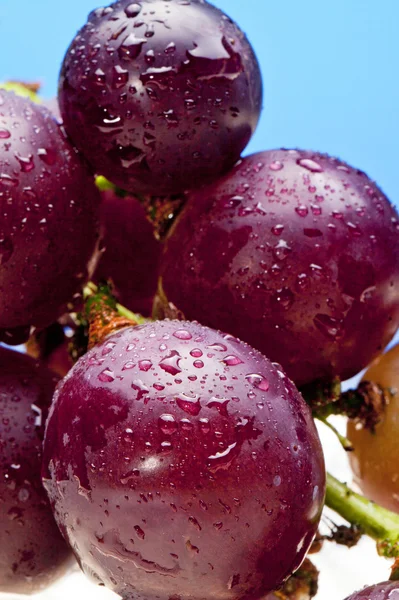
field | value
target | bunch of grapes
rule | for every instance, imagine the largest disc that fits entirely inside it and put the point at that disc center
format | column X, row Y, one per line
column 180, row 461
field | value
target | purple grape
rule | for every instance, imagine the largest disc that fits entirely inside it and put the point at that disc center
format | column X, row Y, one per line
column 160, row 96
column 382, row 591
column 296, row 253
column 33, row 553
column 49, row 211
column 131, row 257
column 191, row 465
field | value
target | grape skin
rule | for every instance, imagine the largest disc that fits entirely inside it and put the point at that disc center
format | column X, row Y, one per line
column 49, row 218
column 195, row 463
column 161, row 97
column 388, row 590
column 296, row 253
column 131, row 252
column 32, row 552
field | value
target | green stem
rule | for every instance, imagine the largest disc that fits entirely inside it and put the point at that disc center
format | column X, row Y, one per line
column 379, row 523
column 345, row 443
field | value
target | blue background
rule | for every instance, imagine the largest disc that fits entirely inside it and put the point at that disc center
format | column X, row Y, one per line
column 330, row 70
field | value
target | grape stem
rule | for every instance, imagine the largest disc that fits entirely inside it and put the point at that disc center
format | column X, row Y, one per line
column 366, row 403
column 377, row 522
column 104, row 314
column 345, row 443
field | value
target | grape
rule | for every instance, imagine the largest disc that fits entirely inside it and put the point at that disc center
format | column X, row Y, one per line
column 131, row 257
column 49, row 212
column 296, row 253
column 160, row 96
column 388, row 590
column 32, row 551
column 191, row 466
column 374, row 460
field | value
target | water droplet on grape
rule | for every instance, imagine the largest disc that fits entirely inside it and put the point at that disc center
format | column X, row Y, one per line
column 120, row 77
column 107, row 376
column 170, row 363
column 145, row 365
column 232, row 360
column 132, row 10
column 190, row 404
column 302, row 210
column 310, row 165
column 276, row 166
column 220, row 404
column 183, row 334
column 258, row 381
column 329, row 326
column 4, row 134
column 131, row 47
column 167, row 424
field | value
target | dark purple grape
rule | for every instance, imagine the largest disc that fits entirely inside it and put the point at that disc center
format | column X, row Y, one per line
column 381, row 591
column 33, row 553
column 195, row 468
column 160, row 96
column 131, row 257
column 49, row 212
column 295, row 252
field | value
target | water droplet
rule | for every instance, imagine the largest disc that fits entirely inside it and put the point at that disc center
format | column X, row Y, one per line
column 220, row 404
column 120, row 77
column 167, row 424
column 170, row 48
column 354, row 230
column 302, row 282
column 99, row 77
column 316, row 210
column 277, row 229
column 196, row 353
column 140, row 533
column 198, row 364
column 8, row 181
column 276, row 166
column 232, row 360
column 205, row 425
column 327, row 325
column 283, row 298
column 170, row 363
column 302, row 210
column 281, row 250
column 182, row 334
column 310, row 165
column 128, row 365
column 217, row 347
column 258, row 381
column 141, row 389
column 218, row 525
column 232, row 201
column 194, row 522
column 106, row 376
column 4, row 134
column 223, row 459
column 190, row 404
column 131, row 47
column 191, row 548
column 145, row 365
column 108, row 347
column 48, row 156
column 132, row 10
column 277, row 481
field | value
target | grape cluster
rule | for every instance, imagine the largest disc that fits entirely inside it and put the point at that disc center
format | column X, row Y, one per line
column 179, row 461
